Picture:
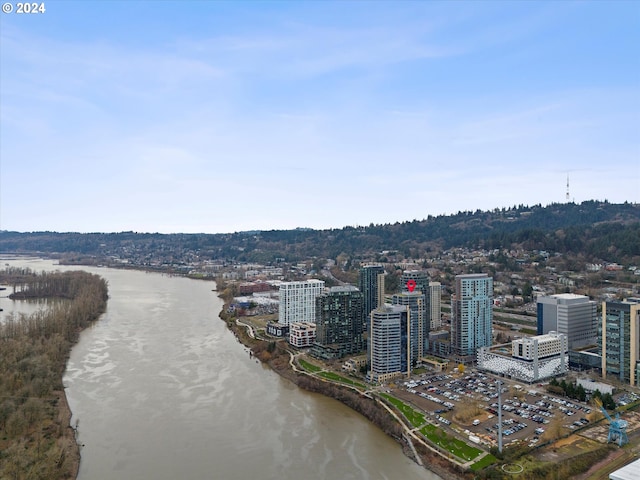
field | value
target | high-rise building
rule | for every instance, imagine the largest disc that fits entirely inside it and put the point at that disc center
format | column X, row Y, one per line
column 339, row 323
column 621, row 340
column 371, row 284
column 419, row 282
column 298, row 301
column 389, row 354
column 573, row 315
column 435, row 299
column 418, row 323
column 420, row 279
column 471, row 325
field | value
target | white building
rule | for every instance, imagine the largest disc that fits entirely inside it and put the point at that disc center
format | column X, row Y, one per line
column 302, row 334
column 298, row 301
column 539, row 347
column 533, row 358
column 591, row 386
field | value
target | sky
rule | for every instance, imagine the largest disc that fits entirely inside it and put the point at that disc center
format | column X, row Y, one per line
column 226, row 116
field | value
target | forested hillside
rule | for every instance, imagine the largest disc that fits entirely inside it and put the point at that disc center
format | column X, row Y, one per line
column 600, row 231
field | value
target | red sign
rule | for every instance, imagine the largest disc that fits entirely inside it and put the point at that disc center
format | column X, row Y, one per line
column 411, row 285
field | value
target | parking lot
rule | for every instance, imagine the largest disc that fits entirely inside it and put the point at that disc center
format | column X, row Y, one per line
column 527, row 411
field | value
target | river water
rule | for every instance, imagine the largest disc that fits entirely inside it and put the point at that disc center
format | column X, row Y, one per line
column 160, row 389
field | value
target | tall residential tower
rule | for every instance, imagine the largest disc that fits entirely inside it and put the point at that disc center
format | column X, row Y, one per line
column 621, row 340
column 389, row 352
column 371, row 284
column 298, row 301
column 435, row 298
column 418, row 323
column 471, row 325
column 339, row 323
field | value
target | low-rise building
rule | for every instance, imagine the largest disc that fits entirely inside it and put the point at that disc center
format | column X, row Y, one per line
column 276, row 329
column 537, row 358
column 539, row 347
column 302, row 334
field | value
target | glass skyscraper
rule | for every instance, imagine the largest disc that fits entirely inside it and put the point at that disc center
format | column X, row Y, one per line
column 621, row 340
column 339, row 323
column 471, row 325
column 371, row 284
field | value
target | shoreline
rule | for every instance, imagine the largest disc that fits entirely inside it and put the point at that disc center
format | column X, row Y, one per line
column 69, row 442
column 379, row 414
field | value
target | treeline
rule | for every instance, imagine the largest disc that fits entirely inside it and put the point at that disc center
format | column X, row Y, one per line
column 36, row 440
column 577, row 392
column 29, row 284
column 567, row 389
column 601, row 231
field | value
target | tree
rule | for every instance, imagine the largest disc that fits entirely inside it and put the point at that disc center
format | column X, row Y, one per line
column 581, row 394
column 555, row 429
column 570, row 390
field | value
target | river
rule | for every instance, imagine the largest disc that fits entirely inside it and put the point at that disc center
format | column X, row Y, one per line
column 160, row 389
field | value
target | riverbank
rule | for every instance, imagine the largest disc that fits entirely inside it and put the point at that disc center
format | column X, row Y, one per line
column 68, row 441
column 279, row 358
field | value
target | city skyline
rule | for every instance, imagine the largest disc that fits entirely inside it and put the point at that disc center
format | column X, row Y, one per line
column 215, row 117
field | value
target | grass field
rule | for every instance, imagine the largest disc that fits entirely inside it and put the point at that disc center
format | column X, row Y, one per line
column 338, row 378
column 451, row 444
column 309, row 367
column 415, row 418
column 483, row 462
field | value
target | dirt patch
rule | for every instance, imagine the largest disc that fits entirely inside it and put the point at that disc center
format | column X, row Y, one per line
column 565, row 441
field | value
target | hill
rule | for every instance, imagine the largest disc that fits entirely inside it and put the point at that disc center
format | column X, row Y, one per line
column 598, row 231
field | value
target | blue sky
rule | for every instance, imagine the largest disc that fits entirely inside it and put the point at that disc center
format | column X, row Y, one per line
column 211, row 116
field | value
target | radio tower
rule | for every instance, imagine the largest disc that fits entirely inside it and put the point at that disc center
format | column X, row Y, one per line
column 568, row 197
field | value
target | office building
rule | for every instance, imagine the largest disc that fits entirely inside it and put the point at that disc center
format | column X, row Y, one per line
column 339, row 323
column 298, row 301
column 389, row 354
column 472, row 308
column 540, row 346
column 621, row 340
column 532, row 358
column 573, row 315
column 371, row 284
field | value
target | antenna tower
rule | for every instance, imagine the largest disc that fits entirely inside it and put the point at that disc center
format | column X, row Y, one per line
column 568, row 197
